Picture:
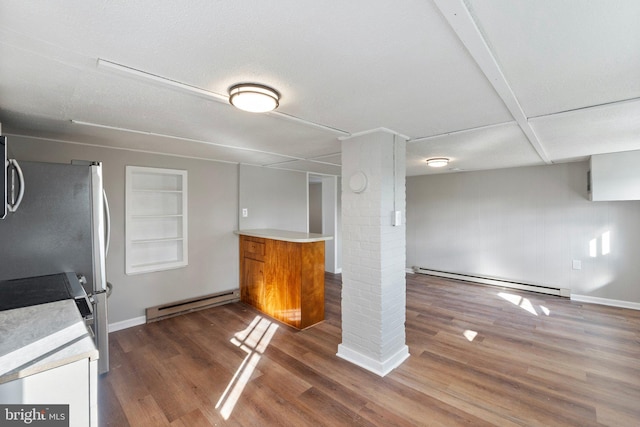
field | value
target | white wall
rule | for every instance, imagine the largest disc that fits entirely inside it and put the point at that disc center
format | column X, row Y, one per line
column 213, row 209
column 275, row 198
column 525, row 224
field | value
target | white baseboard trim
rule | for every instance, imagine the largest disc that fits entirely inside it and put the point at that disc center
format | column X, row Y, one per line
column 409, row 270
column 606, row 301
column 129, row 323
column 375, row 366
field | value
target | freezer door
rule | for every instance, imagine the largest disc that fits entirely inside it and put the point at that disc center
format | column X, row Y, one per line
column 52, row 230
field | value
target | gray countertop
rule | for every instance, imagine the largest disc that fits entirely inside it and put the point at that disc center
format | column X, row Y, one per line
column 287, row 236
column 41, row 337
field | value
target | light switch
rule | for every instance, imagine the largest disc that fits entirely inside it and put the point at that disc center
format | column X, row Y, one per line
column 397, row 218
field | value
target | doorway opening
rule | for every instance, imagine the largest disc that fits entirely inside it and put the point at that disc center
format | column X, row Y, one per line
column 324, row 215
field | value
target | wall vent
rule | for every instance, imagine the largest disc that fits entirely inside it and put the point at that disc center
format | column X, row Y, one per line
column 542, row 289
column 188, row 305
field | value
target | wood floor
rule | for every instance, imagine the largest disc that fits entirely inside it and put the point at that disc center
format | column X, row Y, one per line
column 479, row 356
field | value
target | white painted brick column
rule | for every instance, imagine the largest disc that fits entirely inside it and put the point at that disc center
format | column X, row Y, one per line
column 374, row 252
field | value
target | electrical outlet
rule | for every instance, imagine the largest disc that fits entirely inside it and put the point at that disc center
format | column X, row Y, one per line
column 245, row 212
column 577, row 264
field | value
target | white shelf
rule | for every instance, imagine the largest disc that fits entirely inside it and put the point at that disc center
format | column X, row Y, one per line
column 156, row 219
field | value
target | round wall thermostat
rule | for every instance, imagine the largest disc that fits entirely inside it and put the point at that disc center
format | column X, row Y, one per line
column 358, row 182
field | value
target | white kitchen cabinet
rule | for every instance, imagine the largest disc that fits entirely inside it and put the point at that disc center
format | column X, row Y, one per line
column 48, row 357
column 615, row 176
column 156, row 219
column 73, row 384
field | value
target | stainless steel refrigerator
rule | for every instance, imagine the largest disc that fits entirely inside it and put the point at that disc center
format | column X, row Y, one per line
column 59, row 225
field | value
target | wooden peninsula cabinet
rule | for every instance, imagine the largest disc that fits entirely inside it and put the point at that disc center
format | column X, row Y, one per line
column 282, row 274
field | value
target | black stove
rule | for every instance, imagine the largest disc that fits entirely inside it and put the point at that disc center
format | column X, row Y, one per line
column 28, row 291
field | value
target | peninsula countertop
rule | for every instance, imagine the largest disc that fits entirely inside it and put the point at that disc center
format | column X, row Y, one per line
column 42, row 337
column 287, row 236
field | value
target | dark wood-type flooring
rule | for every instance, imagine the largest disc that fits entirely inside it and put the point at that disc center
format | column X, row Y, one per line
column 479, row 356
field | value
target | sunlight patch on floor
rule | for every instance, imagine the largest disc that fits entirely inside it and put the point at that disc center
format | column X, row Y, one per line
column 523, row 303
column 470, row 335
column 254, row 340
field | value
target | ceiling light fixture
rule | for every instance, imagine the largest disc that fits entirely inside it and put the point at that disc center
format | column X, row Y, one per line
column 437, row 162
column 254, row 98
column 192, row 90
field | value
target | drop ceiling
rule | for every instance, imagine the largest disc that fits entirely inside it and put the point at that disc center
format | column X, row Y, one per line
column 489, row 84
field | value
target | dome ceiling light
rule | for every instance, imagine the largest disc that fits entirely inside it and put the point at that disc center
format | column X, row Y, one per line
column 254, row 98
column 437, row 162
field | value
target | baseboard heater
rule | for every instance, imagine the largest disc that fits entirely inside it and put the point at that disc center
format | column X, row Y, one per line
column 542, row 289
column 185, row 306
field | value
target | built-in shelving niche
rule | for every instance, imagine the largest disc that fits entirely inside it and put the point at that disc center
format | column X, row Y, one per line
column 156, row 219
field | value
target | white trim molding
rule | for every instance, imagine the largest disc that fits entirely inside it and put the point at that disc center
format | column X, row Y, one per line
column 376, row 130
column 129, row 323
column 606, row 301
column 462, row 23
column 380, row 368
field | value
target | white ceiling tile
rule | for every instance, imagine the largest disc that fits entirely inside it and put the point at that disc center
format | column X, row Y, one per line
column 576, row 134
column 493, row 147
column 37, row 85
column 563, row 55
column 335, row 159
column 364, row 73
column 308, row 166
column 146, row 107
column 352, row 66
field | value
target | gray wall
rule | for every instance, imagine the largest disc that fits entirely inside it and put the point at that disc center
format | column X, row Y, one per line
column 330, row 217
column 525, row 224
column 315, row 208
column 275, row 198
column 338, row 266
column 281, row 199
column 213, row 209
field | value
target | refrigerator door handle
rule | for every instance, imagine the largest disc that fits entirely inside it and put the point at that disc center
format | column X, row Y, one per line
column 15, row 203
column 107, row 215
